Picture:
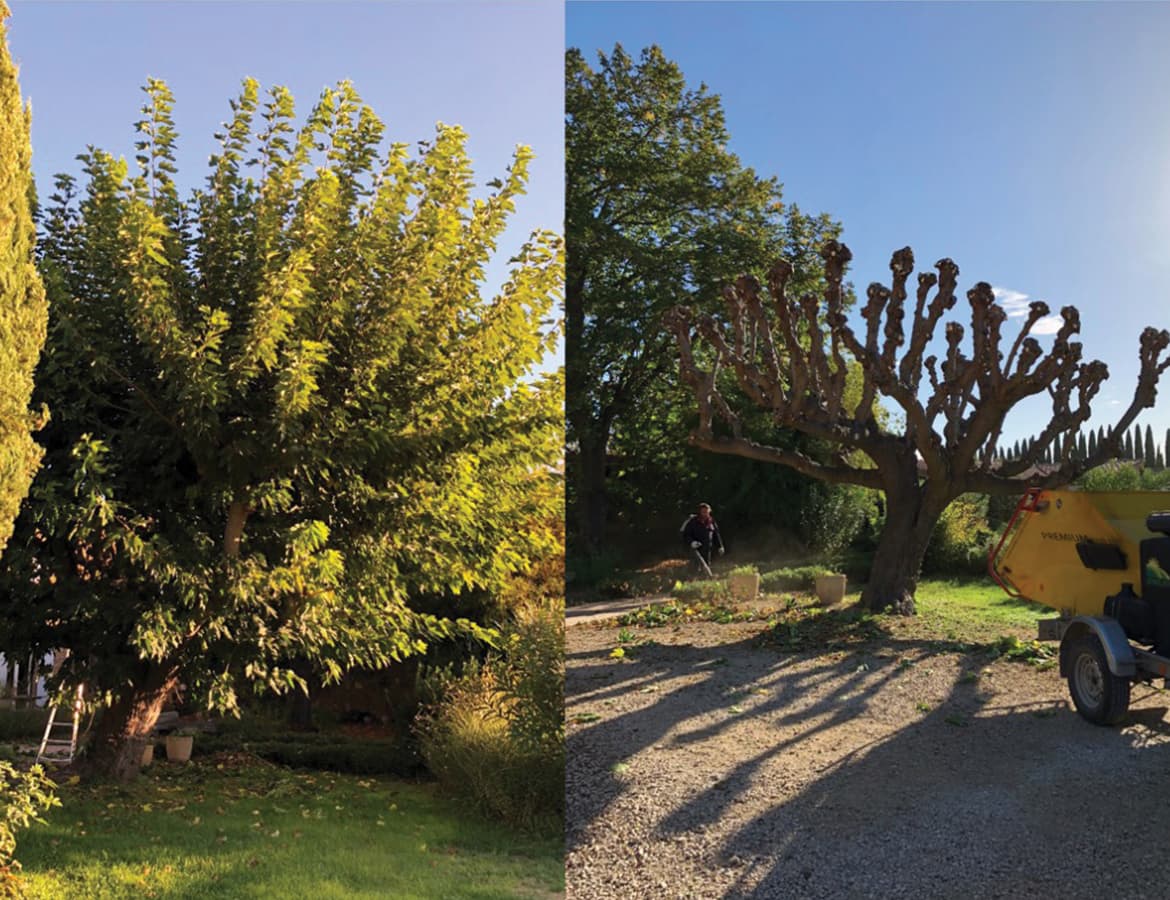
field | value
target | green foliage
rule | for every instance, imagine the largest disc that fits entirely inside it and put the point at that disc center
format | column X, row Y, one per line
column 790, row 578
column 282, row 408
column 833, row 515
column 1121, row 475
column 658, row 212
column 23, row 310
column 532, row 675
column 961, row 538
column 326, row 752
column 495, row 735
column 1035, row 653
column 692, row 607
column 23, row 795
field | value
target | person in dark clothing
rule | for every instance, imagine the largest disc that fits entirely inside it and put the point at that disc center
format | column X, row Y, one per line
column 701, row 535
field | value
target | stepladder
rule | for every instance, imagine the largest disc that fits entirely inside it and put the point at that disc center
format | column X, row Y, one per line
column 59, row 743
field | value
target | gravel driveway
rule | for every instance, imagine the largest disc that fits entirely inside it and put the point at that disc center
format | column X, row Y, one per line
column 709, row 765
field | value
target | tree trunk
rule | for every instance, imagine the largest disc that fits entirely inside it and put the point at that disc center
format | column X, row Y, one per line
column 911, row 514
column 233, row 530
column 122, row 730
column 592, row 501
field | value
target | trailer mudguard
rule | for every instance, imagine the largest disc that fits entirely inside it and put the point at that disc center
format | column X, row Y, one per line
column 1118, row 652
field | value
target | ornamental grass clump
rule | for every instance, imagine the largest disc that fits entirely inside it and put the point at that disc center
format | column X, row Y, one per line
column 496, row 733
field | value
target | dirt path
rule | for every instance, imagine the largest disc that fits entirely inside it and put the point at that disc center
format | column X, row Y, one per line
column 709, row 766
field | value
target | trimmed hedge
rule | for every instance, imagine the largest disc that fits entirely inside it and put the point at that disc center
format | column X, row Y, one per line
column 325, row 752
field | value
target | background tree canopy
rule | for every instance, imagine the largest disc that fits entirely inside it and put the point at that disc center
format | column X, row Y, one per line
column 658, row 212
column 282, row 408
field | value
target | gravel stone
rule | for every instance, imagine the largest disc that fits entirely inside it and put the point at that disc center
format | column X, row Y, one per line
column 845, row 774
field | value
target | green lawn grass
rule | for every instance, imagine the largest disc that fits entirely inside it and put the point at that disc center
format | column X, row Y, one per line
column 959, row 611
column 238, row 829
column 975, row 609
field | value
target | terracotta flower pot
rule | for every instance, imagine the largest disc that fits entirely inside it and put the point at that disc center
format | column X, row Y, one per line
column 744, row 586
column 830, row 589
column 148, row 754
column 179, row 747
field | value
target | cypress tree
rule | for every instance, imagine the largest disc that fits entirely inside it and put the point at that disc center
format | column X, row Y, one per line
column 1093, row 443
column 23, row 309
column 1082, row 446
column 1151, row 459
column 1138, row 443
column 1127, row 450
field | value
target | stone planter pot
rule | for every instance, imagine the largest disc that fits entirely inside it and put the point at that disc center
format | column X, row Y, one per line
column 179, row 747
column 148, row 754
column 744, row 587
column 830, row 589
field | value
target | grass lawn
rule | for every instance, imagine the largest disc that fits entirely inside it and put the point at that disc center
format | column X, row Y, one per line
column 957, row 612
column 230, row 827
column 974, row 609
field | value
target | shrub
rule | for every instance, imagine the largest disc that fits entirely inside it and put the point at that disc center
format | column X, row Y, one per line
column 330, row 752
column 23, row 795
column 706, row 590
column 961, row 538
column 1122, row 475
column 833, row 515
column 533, row 677
column 496, row 736
column 793, row 578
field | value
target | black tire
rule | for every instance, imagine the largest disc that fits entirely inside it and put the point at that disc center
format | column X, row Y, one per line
column 1099, row 696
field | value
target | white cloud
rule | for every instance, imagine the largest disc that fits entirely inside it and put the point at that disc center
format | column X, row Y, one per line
column 1014, row 303
column 1047, row 325
column 1017, row 305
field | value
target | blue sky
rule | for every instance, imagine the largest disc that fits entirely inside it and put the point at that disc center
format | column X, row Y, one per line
column 1028, row 142
column 496, row 68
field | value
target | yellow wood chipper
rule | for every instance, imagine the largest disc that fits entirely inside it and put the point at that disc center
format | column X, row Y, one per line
column 1102, row 559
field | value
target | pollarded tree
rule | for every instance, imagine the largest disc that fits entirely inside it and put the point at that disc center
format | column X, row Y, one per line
column 789, row 356
column 283, row 408
column 23, row 310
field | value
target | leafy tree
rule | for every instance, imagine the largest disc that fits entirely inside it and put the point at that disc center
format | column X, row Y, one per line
column 23, row 310
column 657, row 210
column 923, row 467
column 283, row 408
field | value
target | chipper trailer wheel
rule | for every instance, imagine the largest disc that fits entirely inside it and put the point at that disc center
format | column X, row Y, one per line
column 1099, row 695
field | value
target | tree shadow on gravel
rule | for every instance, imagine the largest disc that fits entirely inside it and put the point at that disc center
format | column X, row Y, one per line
column 981, row 796
column 696, row 693
column 977, row 799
